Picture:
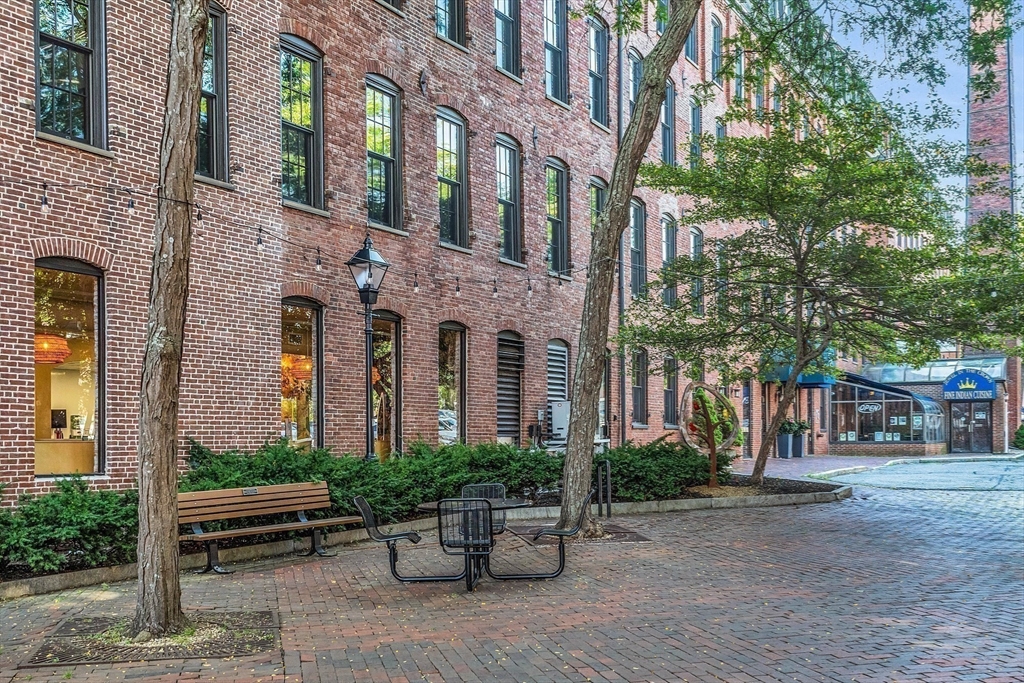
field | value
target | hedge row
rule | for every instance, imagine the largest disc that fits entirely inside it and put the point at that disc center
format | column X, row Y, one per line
column 76, row 527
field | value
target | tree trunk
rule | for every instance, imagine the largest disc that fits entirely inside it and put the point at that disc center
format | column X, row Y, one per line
column 579, row 453
column 158, row 606
column 711, row 428
column 768, row 438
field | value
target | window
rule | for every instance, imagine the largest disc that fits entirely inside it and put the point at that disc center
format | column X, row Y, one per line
column 557, row 391
column 387, row 383
column 301, row 123
column 716, row 50
column 383, row 139
column 509, row 198
column 451, row 383
column 636, row 75
column 212, row 152
column 556, row 59
column 301, row 372
column 669, row 232
column 690, row 47
column 739, row 93
column 696, row 129
column 507, row 54
column 640, row 387
column 661, row 16
column 668, row 125
column 69, row 368
column 511, row 359
column 671, row 375
column 598, row 196
column 777, row 9
column 759, row 91
column 603, row 405
column 720, row 134
column 776, row 97
column 70, row 70
column 697, row 288
column 451, row 178
column 637, row 249
column 598, row 33
column 557, row 222
column 449, row 20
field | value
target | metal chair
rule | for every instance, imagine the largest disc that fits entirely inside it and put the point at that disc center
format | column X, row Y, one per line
column 464, row 528
column 562, row 534
column 493, row 492
column 392, row 542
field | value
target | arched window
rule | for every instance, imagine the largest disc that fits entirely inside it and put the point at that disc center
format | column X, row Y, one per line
column 70, row 359
column 598, row 197
column 669, row 237
column 668, row 125
column 302, row 402
column 556, row 56
column 511, row 359
column 302, row 138
column 451, row 383
column 557, row 203
column 383, row 149
column 510, row 197
column 387, row 382
column 636, row 74
column 637, row 248
column 598, row 36
column 558, row 393
column 690, row 48
column 716, row 50
column 452, row 192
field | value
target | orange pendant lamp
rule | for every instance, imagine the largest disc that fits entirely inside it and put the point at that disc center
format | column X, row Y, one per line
column 51, row 349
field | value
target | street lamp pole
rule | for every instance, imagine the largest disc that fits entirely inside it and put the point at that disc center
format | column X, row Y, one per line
column 368, row 268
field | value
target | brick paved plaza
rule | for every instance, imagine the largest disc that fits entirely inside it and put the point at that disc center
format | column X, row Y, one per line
column 886, row 586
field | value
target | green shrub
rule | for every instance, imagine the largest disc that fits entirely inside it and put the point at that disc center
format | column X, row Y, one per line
column 1018, row 437
column 659, row 470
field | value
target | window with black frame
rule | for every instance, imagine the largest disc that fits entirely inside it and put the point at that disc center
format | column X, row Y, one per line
column 716, row 50
column 690, row 47
column 869, row 414
column 640, row 373
column 598, row 37
column 556, row 201
column 212, row 151
column 637, row 249
column 556, row 57
column 301, row 372
column 383, row 142
column 70, row 70
column 671, row 376
column 451, row 178
column 636, row 75
column 669, row 239
column 661, row 16
column 450, row 20
column 301, row 123
column 507, row 153
column 740, row 92
column 696, row 130
column 668, row 125
column 507, row 39
column 697, row 287
column 451, row 383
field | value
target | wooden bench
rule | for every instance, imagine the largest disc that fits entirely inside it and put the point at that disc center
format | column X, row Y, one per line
column 207, row 506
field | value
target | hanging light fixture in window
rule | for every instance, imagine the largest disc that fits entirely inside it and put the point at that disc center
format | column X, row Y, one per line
column 51, row 349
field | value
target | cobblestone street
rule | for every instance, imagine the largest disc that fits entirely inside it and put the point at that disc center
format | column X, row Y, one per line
column 886, row 586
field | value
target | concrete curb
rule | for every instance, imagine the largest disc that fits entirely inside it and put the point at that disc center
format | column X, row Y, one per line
column 910, row 461
column 38, row 585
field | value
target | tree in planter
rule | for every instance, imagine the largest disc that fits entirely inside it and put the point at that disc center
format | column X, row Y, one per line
column 912, row 31
column 813, row 271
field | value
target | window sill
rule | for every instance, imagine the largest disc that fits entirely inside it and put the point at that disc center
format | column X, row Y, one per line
column 691, row 62
column 600, row 125
column 671, row 426
column 96, row 476
column 567, row 278
column 517, row 79
column 455, row 247
column 386, row 228
column 560, row 103
column 85, row 147
column 205, row 180
column 457, row 46
column 510, row 262
column 388, row 5
column 637, row 425
column 305, row 208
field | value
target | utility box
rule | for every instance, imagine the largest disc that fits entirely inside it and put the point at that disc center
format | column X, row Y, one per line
column 559, row 411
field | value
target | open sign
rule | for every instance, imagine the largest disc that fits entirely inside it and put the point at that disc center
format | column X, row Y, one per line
column 869, row 407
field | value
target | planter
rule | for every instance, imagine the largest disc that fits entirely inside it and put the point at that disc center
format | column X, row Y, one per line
column 799, row 444
column 784, row 445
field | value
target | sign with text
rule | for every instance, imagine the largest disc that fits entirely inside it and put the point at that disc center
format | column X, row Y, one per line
column 969, row 385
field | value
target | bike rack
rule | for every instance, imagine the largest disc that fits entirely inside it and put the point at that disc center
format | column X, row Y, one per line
column 604, row 488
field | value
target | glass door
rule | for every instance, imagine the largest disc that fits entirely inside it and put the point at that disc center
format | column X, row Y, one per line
column 981, row 427
column 960, row 427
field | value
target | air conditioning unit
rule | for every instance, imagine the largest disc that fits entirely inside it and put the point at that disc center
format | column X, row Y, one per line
column 559, row 411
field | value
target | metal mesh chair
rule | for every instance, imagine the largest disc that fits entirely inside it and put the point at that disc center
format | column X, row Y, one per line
column 493, row 492
column 464, row 528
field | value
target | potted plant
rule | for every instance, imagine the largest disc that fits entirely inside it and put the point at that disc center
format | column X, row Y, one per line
column 789, row 441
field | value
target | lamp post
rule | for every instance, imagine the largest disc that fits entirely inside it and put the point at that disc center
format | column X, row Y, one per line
column 368, row 268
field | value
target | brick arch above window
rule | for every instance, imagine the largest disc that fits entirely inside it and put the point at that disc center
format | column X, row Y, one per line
column 73, row 248
column 306, row 290
column 398, row 308
column 375, row 66
column 453, row 315
column 511, row 325
column 299, row 28
column 451, row 102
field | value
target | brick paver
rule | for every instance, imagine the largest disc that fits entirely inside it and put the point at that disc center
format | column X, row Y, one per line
column 886, row 586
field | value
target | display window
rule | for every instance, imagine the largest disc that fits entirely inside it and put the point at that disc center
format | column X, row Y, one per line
column 301, row 373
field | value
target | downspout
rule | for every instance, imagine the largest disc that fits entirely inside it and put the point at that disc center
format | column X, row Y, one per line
column 622, row 290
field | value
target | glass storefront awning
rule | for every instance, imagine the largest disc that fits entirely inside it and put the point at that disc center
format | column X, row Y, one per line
column 936, row 372
column 927, row 403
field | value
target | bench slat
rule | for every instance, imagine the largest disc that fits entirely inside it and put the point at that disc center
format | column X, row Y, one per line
column 272, row 528
column 227, row 493
column 248, row 511
column 254, row 503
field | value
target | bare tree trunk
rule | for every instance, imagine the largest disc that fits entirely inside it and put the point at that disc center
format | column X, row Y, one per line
column 158, row 606
column 768, row 438
column 579, row 452
column 712, row 438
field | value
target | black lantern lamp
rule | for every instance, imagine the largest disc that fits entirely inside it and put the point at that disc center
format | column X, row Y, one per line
column 368, row 269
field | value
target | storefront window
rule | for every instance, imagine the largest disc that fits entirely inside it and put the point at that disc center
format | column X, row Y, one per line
column 68, row 359
column 866, row 414
column 387, row 378
column 844, row 421
column 300, row 372
column 451, row 382
column 897, row 421
column 871, row 420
